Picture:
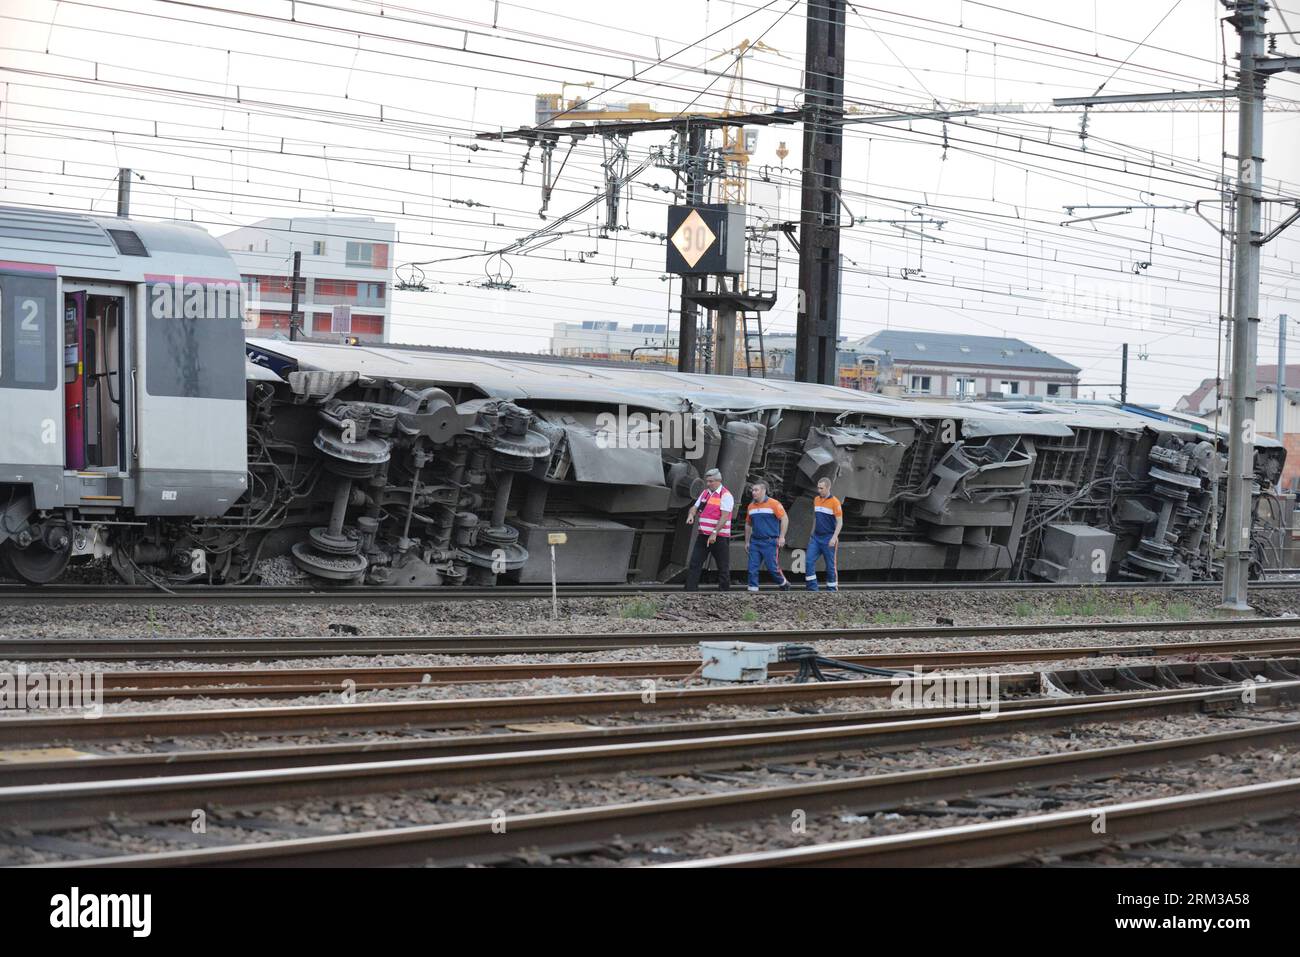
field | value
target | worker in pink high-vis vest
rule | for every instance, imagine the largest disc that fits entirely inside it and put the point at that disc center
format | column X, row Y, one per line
column 714, row 509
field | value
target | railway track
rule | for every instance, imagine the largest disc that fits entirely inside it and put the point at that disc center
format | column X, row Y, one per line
column 1058, row 834
column 1255, row 843
column 47, row 768
column 575, row 831
column 372, row 594
column 55, row 793
column 52, row 767
column 77, row 803
column 288, row 683
column 73, row 728
column 249, row 649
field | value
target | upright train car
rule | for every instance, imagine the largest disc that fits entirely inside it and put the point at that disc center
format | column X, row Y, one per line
column 122, row 392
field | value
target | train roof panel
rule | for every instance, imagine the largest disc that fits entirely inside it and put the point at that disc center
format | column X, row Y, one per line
column 547, row 380
column 656, row 389
column 108, row 248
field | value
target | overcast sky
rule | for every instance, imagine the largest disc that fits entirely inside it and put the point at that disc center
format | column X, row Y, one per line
column 233, row 111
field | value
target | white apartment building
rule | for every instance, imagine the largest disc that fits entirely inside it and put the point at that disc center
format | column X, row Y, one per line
column 610, row 339
column 346, row 277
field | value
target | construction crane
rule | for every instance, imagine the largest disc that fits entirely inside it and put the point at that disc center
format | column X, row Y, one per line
column 738, row 143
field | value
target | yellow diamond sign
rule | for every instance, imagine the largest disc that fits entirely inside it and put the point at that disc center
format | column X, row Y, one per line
column 693, row 238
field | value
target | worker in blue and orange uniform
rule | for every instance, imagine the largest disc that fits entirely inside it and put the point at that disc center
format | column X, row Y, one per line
column 765, row 528
column 714, row 507
column 828, row 519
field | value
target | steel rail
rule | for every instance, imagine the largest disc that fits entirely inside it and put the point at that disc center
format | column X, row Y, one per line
column 87, row 766
column 47, row 806
column 1060, row 833
column 77, row 727
column 80, row 727
column 286, row 682
column 244, row 594
column 582, row 830
column 249, row 648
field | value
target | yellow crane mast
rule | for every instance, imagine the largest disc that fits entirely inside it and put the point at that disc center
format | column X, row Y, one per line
column 737, row 142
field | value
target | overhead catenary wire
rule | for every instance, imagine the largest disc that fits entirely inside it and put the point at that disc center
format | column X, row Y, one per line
column 971, row 216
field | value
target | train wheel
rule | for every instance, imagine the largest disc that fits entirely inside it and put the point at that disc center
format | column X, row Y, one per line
column 36, row 564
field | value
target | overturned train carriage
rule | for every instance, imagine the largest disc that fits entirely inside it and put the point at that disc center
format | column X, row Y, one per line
column 141, row 429
column 1069, row 492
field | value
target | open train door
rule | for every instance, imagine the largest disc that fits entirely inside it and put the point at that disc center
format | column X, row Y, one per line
column 74, row 380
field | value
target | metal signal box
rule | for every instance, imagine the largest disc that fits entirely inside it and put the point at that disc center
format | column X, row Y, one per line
column 736, row 660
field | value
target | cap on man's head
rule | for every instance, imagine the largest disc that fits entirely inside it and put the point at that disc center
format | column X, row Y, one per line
column 713, row 473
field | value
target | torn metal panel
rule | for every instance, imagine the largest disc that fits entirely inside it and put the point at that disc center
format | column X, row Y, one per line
column 861, row 462
column 320, row 386
column 609, row 456
column 976, row 485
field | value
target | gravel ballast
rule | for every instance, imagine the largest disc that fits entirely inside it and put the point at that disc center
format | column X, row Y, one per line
column 513, row 798
column 736, row 610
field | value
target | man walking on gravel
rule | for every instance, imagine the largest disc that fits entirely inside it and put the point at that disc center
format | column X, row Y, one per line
column 765, row 527
column 714, row 508
column 828, row 519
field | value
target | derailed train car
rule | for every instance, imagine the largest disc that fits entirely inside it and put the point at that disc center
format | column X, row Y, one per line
column 1065, row 492
column 140, row 428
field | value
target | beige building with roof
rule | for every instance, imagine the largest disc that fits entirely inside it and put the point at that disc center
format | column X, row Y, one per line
column 954, row 365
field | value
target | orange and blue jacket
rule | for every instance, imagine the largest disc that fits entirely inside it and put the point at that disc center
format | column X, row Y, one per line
column 764, row 519
column 827, row 512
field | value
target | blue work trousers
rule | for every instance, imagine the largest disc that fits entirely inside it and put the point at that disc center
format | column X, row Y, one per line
column 819, row 547
column 763, row 551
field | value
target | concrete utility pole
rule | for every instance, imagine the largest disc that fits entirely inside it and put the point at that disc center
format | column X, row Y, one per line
column 1248, row 17
column 1123, row 377
column 123, row 193
column 1254, row 68
column 817, row 335
column 293, row 296
column 1279, row 407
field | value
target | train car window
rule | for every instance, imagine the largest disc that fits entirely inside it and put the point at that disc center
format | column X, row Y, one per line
column 28, row 333
column 194, row 341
